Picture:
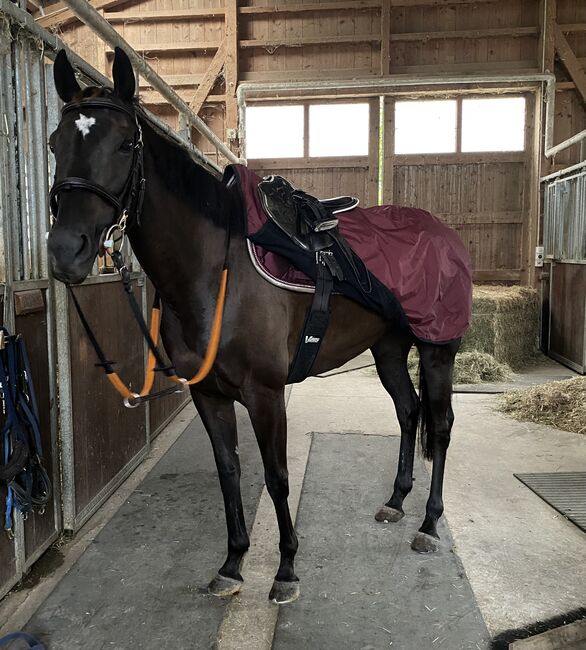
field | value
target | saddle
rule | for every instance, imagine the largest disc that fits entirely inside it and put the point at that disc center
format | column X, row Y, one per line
column 306, row 220
column 311, row 225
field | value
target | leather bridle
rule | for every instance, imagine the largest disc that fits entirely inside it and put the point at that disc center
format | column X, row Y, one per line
column 128, row 206
column 128, row 203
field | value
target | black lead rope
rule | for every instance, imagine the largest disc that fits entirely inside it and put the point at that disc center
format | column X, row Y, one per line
column 137, row 312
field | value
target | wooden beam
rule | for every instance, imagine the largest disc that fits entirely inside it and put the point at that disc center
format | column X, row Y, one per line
column 548, row 11
column 309, row 40
column 498, row 32
column 209, row 78
column 162, row 14
column 496, row 275
column 61, row 14
column 154, row 98
column 570, row 62
column 231, row 74
column 438, row 3
column 172, row 47
column 324, row 6
column 176, row 80
column 464, row 68
column 570, row 28
column 385, row 46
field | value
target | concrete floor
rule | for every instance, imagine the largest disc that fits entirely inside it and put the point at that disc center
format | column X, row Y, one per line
column 507, row 560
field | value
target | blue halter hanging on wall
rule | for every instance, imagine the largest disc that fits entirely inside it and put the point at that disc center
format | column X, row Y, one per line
column 27, row 482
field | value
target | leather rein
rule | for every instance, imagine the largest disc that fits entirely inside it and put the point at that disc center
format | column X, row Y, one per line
column 128, row 206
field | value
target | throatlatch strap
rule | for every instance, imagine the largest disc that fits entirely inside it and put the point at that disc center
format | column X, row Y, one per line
column 316, row 323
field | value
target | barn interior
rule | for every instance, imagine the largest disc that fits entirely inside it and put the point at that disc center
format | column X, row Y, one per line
column 474, row 110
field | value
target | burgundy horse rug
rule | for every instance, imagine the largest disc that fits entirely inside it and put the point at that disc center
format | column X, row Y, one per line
column 402, row 262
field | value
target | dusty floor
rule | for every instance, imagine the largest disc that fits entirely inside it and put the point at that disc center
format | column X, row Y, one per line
column 507, row 559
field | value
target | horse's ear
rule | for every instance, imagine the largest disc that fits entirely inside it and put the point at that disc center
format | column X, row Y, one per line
column 123, row 75
column 64, row 76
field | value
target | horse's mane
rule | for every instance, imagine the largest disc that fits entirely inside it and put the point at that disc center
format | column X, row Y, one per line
column 202, row 188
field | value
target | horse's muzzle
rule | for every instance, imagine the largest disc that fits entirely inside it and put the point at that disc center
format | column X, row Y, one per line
column 71, row 255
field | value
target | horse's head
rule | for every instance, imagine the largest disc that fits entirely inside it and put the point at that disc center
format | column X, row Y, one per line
column 98, row 153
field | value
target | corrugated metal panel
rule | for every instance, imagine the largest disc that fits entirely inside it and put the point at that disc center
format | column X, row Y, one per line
column 564, row 221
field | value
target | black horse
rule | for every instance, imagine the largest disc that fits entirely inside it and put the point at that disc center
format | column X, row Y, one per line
column 180, row 239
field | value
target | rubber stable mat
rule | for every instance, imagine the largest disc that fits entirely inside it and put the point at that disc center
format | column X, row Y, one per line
column 564, row 491
column 362, row 587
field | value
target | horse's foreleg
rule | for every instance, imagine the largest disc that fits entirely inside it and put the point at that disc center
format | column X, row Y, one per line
column 219, row 419
column 269, row 420
column 437, row 367
column 390, row 355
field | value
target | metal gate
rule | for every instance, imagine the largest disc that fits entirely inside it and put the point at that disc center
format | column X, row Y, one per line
column 564, row 239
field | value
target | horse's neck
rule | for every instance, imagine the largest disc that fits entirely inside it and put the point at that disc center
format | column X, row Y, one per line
column 180, row 241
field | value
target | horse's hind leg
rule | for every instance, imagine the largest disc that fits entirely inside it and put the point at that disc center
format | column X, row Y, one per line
column 390, row 355
column 437, row 367
column 269, row 420
column 219, row 419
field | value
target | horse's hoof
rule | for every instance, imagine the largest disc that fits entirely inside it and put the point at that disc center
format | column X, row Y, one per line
column 222, row 586
column 284, row 592
column 387, row 514
column 424, row 543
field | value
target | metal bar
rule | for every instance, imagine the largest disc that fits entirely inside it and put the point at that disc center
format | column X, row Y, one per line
column 563, row 172
column 35, row 139
column 22, row 268
column 54, row 44
column 88, row 15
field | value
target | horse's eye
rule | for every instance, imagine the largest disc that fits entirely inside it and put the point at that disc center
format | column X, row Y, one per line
column 126, row 146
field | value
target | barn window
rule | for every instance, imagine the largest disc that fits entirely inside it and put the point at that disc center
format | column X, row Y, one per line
column 427, row 126
column 493, row 124
column 338, row 130
column 274, row 131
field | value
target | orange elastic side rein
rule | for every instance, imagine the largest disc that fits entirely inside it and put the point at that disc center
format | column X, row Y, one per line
column 208, row 360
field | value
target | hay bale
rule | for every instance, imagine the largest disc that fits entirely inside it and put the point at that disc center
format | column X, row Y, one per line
column 560, row 404
column 470, row 368
column 504, row 324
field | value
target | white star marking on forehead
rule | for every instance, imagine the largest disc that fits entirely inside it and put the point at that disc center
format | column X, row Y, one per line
column 84, row 124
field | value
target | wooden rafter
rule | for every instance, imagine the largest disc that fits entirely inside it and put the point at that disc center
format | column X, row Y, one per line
column 162, row 14
column 59, row 13
column 570, row 62
column 209, row 78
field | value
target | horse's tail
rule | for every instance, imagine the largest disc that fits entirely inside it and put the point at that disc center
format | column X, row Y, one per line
column 424, row 426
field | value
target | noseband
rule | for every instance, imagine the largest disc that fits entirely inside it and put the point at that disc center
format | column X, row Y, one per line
column 129, row 202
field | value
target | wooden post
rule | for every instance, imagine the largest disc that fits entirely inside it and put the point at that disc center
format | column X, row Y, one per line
column 388, row 151
column 385, row 37
column 374, row 170
column 547, row 22
column 231, row 74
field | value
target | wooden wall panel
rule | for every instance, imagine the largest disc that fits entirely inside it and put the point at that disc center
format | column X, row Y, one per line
column 162, row 410
column 106, row 435
column 484, row 202
column 7, row 551
column 321, row 181
column 568, row 312
column 33, row 328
